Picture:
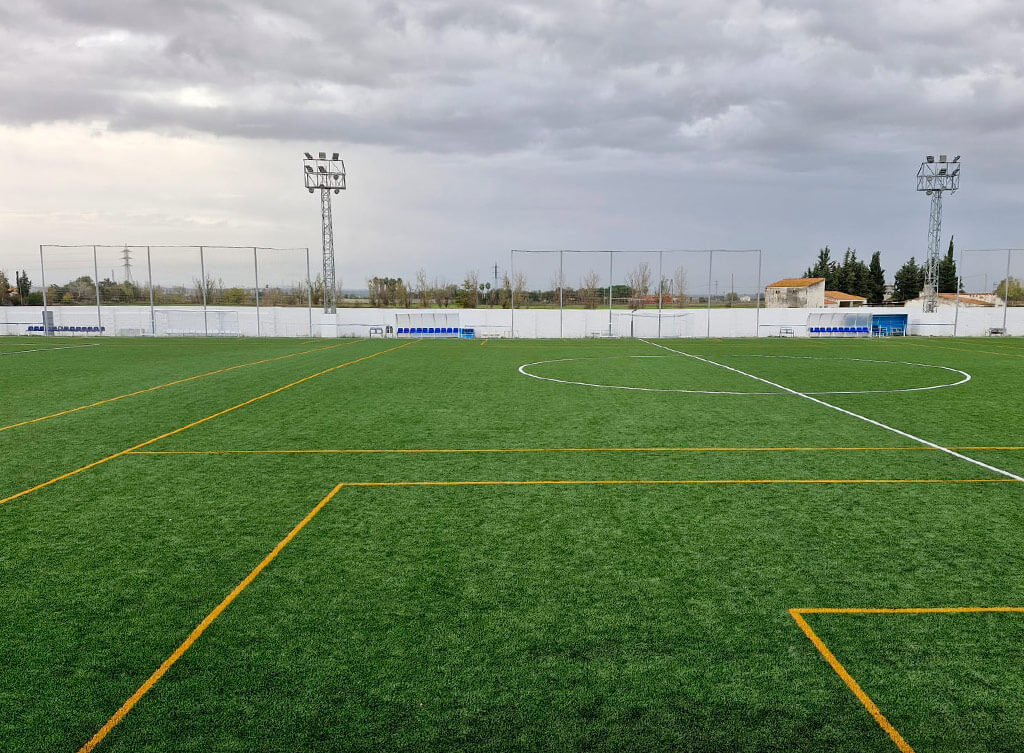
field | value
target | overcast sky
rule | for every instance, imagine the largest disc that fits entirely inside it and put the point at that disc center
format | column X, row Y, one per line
column 471, row 127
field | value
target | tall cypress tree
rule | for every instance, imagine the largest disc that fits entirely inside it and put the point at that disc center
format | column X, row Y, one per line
column 947, row 271
column 876, row 279
column 824, row 267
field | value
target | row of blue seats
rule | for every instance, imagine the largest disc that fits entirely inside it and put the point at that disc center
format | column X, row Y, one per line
column 64, row 328
column 435, row 331
column 840, row 330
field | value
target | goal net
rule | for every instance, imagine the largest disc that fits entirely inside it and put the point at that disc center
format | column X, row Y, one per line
column 192, row 323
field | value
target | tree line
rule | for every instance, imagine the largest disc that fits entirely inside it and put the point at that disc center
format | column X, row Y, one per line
column 853, row 276
column 82, row 291
column 639, row 291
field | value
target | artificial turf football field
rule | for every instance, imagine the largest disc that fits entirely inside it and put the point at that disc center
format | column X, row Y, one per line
column 272, row 545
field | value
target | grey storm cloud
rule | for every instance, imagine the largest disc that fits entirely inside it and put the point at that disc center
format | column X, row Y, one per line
column 771, row 80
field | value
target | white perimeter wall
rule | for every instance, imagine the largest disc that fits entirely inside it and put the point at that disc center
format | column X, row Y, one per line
column 529, row 323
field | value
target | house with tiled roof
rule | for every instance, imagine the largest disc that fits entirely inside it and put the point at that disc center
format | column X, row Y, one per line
column 795, row 292
column 837, row 299
column 966, row 300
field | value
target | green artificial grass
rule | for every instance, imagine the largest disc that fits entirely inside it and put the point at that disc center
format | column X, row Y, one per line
column 507, row 617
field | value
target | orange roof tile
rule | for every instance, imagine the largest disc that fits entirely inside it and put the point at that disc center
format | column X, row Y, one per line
column 836, row 295
column 797, row 282
column 966, row 298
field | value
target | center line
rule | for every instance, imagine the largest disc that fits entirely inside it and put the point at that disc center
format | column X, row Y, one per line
column 813, row 399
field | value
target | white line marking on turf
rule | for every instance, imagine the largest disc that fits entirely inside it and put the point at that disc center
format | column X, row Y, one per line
column 871, row 421
column 40, row 350
column 964, row 374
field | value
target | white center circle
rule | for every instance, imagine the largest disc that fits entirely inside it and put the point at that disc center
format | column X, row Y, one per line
column 965, row 377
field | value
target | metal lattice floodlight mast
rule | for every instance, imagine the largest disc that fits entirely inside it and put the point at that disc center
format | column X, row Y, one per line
column 933, row 178
column 327, row 175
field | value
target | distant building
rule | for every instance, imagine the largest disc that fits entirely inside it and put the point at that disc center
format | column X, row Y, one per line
column 796, row 293
column 835, row 299
column 967, row 300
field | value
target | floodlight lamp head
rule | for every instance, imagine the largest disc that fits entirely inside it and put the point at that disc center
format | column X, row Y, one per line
column 929, row 158
column 310, row 190
column 320, row 172
column 956, row 158
column 308, row 155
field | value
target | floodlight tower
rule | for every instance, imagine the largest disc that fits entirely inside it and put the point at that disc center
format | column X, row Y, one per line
column 933, row 178
column 327, row 175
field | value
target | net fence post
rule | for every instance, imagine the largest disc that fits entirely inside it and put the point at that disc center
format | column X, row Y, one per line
column 309, row 293
column 956, row 307
column 561, row 284
column 611, row 256
column 96, row 285
column 512, row 292
column 757, row 315
column 202, row 286
column 152, row 308
column 42, row 273
column 661, row 286
column 256, row 275
column 711, row 257
column 1006, row 287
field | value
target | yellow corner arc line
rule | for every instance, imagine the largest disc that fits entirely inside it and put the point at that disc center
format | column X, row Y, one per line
column 167, row 384
column 187, row 426
column 201, row 628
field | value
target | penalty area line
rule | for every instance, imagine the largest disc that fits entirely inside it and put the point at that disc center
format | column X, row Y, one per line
column 850, row 413
column 852, row 684
column 183, row 380
column 201, row 627
column 847, row 678
column 685, row 482
column 197, row 422
column 499, row 450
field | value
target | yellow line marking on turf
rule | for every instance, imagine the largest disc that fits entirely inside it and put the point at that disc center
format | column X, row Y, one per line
column 168, row 384
column 852, row 684
column 212, row 416
column 483, row 343
column 906, row 610
column 455, row 451
column 201, row 627
column 846, row 677
column 692, row 482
